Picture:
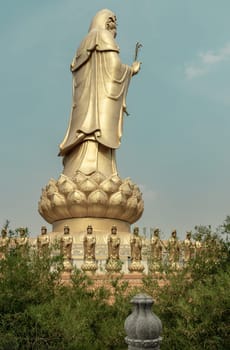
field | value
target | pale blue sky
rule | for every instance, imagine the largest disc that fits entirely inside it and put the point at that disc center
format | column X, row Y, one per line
column 176, row 141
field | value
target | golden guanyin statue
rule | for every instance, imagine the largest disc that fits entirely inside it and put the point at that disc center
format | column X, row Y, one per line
column 100, row 84
column 89, row 244
column 136, row 248
column 114, row 263
column 90, row 190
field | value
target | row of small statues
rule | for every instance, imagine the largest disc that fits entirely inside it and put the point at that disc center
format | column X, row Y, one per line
column 113, row 263
column 5, row 241
column 66, row 241
column 173, row 247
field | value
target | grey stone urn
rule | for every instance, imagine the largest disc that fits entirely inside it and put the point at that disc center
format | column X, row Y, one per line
column 142, row 326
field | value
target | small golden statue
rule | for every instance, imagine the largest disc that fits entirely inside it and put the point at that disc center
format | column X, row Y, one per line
column 188, row 248
column 89, row 243
column 114, row 263
column 212, row 249
column 66, row 249
column 43, row 241
column 22, row 241
column 174, row 251
column 4, row 243
column 156, row 245
column 198, row 246
column 136, row 247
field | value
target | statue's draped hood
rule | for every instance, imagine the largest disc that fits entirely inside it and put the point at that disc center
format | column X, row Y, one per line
column 100, row 84
column 100, row 19
column 98, row 38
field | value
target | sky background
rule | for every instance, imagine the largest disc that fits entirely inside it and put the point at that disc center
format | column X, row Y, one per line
column 176, row 141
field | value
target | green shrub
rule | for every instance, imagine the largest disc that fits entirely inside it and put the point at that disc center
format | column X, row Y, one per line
column 39, row 312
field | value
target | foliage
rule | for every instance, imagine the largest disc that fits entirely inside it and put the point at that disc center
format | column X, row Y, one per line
column 194, row 303
column 39, row 312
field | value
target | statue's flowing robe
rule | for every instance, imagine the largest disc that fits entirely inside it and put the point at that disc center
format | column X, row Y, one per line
column 100, row 84
column 113, row 247
column 136, row 246
column 89, row 247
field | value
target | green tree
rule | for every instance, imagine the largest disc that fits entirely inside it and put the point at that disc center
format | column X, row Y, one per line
column 194, row 302
column 39, row 312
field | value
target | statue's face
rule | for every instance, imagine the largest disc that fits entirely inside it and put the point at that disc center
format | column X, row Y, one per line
column 43, row 230
column 136, row 231
column 66, row 230
column 114, row 230
column 4, row 233
column 174, row 234
column 156, row 233
column 22, row 232
column 111, row 25
column 89, row 230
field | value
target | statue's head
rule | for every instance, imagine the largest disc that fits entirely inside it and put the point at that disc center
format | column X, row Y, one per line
column 66, row 230
column 43, row 230
column 22, row 231
column 105, row 19
column 188, row 235
column 114, row 229
column 89, row 229
column 4, row 232
column 136, row 231
column 156, row 231
column 174, row 233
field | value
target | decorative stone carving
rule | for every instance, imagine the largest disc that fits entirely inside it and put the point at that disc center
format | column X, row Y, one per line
column 89, row 243
column 142, row 326
column 114, row 263
column 136, row 247
column 91, row 196
column 66, row 243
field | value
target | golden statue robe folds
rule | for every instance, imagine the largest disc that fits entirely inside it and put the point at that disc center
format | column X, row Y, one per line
column 100, row 84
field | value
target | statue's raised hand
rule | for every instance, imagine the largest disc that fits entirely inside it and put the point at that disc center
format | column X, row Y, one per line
column 136, row 66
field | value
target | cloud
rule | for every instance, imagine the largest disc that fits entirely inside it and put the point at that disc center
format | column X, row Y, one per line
column 193, row 71
column 206, row 61
column 147, row 193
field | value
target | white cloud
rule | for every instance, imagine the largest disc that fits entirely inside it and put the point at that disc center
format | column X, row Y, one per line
column 205, row 61
column 210, row 58
column 193, row 71
column 147, row 193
